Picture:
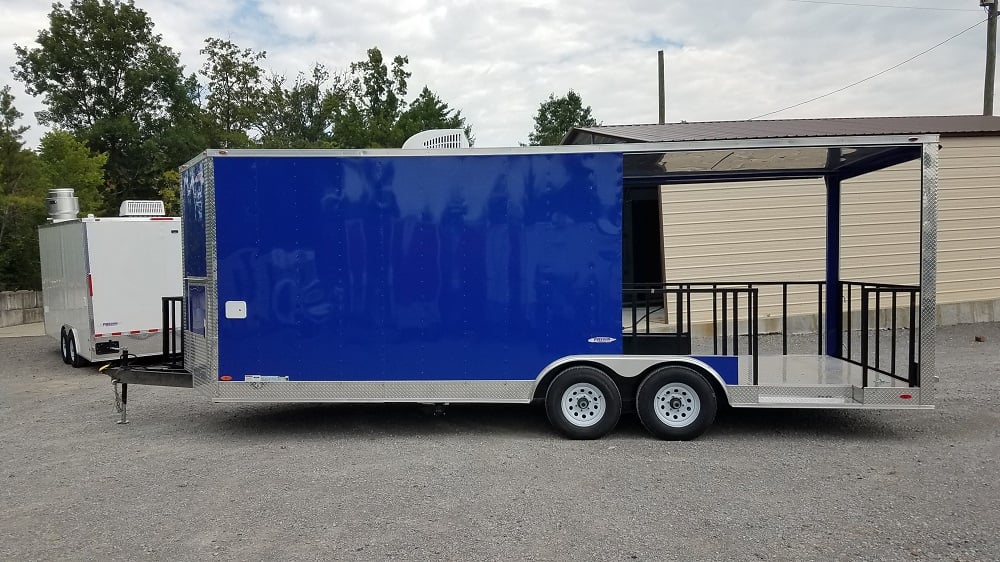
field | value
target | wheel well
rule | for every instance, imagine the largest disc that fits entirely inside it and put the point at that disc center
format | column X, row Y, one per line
column 629, row 385
column 720, row 391
column 543, row 385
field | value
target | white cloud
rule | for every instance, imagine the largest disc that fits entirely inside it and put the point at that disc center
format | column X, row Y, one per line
column 496, row 61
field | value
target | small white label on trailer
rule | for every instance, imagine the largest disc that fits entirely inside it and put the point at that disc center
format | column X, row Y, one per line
column 236, row 310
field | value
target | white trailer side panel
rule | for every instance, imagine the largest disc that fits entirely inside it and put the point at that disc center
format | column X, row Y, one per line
column 64, row 278
column 133, row 263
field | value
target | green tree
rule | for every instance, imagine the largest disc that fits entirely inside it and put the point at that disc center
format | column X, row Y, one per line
column 22, row 201
column 67, row 162
column 374, row 102
column 428, row 111
column 106, row 77
column 302, row 115
column 556, row 116
column 235, row 90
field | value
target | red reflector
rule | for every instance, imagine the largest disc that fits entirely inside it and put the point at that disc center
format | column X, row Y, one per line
column 98, row 335
column 906, row 396
column 154, row 330
column 225, row 378
column 116, row 333
column 90, row 284
column 136, row 332
column 161, row 218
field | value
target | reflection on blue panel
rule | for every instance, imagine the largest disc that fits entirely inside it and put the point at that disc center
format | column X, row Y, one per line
column 196, row 309
column 193, row 214
column 417, row 268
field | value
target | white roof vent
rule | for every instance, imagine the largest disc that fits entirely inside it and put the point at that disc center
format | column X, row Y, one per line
column 438, row 138
column 142, row 209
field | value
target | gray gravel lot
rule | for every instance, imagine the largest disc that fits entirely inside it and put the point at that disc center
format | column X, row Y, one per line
column 192, row 480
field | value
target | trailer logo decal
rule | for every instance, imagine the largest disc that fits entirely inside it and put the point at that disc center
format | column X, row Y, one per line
column 264, row 378
column 601, row 339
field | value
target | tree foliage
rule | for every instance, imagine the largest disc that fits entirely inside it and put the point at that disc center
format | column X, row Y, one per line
column 373, row 103
column 302, row 115
column 235, row 90
column 556, row 116
column 107, row 78
column 67, row 162
column 22, row 201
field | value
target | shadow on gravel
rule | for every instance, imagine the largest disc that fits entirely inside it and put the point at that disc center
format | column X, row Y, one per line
column 793, row 423
column 489, row 420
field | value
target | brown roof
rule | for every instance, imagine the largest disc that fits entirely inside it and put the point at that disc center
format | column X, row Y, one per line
column 945, row 125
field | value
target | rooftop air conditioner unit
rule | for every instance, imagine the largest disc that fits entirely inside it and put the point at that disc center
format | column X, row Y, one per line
column 438, row 138
column 132, row 208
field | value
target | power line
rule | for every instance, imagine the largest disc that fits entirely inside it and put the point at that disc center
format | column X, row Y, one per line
column 884, row 6
column 876, row 75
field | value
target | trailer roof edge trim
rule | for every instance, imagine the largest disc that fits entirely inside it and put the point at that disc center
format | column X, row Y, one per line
column 681, row 162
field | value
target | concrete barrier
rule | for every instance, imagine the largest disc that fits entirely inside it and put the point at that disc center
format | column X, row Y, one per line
column 20, row 307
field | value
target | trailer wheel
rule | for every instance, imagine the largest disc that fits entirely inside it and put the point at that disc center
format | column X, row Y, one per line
column 74, row 358
column 676, row 403
column 64, row 346
column 583, row 403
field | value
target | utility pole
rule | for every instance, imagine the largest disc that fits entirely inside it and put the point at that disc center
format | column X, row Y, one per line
column 663, row 98
column 991, row 55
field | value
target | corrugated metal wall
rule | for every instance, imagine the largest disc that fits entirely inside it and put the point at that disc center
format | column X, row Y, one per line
column 776, row 230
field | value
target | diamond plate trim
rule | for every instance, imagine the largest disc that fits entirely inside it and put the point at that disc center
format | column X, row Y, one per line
column 808, row 391
column 743, row 395
column 928, row 270
column 197, row 361
column 412, row 391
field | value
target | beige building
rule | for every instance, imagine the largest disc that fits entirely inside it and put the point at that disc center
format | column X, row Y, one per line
column 775, row 230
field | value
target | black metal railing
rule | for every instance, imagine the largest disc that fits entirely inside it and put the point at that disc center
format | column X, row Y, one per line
column 731, row 299
column 644, row 300
column 870, row 356
column 173, row 330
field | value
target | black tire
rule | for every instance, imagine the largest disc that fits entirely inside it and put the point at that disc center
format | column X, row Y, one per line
column 676, row 403
column 593, row 403
column 64, row 346
column 74, row 358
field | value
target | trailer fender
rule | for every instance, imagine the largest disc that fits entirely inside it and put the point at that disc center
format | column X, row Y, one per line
column 630, row 366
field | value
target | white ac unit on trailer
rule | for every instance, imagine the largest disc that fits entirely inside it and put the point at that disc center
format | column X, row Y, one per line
column 438, row 138
column 131, row 208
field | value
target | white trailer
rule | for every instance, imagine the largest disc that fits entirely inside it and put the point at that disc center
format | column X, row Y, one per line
column 103, row 278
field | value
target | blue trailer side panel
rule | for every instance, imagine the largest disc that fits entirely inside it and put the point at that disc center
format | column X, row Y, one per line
column 193, row 217
column 417, row 267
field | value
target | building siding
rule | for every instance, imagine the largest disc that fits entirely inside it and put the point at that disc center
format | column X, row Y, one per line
column 775, row 230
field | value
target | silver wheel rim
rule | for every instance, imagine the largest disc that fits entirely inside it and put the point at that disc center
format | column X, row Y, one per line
column 676, row 404
column 70, row 348
column 65, row 347
column 583, row 404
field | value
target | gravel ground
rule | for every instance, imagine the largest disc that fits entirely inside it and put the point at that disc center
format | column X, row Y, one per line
column 192, row 480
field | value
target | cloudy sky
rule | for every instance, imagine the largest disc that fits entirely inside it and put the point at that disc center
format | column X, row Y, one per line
column 497, row 60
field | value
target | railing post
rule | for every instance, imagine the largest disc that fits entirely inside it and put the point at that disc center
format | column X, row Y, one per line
column 834, row 295
column 819, row 317
column 864, row 336
column 715, row 320
column 725, row 316
column 756, row 335
column 911, row 369
column 784, row 318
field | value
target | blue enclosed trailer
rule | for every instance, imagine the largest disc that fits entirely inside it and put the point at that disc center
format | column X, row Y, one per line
column 495, row 275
